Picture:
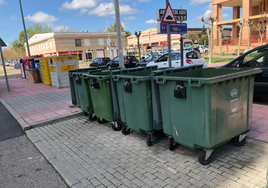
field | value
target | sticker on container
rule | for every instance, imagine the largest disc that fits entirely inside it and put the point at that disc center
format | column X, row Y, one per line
column 234, row 100
column 65, row 58
column 65, row 68
column 52, row 68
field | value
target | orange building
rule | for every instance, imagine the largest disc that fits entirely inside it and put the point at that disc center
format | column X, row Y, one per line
column 253, row 10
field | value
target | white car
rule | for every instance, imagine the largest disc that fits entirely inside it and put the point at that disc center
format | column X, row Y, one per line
column 190, row 58
column 203, row 49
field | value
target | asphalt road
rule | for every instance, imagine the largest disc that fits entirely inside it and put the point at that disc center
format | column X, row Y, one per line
column 21, row 164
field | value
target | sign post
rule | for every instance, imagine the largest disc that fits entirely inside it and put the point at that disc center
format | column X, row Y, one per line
column 2, row 43
column 168, row 17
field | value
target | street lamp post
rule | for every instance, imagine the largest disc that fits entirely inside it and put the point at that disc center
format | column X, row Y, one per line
column 108, row 32
column 138, row 34
column 25, row 33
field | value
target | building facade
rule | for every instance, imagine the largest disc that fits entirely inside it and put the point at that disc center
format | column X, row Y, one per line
column 252, row 10
column 87, row 45
column 150, row 40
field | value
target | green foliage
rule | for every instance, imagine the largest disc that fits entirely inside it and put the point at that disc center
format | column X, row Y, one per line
column 202, row 36
column 112, row 28
column 219, row 60
column 68, row 29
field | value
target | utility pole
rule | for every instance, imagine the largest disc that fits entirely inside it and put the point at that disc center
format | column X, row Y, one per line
column 169, row 42
column 25, row 33
column 3, row 62
column 138, row 34
column 108, row 46
column 181, row 40
column 119, row 34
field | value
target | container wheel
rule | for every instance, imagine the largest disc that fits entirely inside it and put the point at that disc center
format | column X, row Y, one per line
column 149, row 140
column 101, row 120
column 117, row 126
column 85, row 113
column 236, row 142
column 92, row 117
column 125, row 130
column 202, row 160
column 170, row 144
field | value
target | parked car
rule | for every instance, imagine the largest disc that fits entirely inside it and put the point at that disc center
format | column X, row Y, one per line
column 129, row 62
column 12, row 64
column 202, row 49
column 100, row 61
column 7, row 63
column 189, row 57
column 17, row 65
column 144, row 62
column 255, row 58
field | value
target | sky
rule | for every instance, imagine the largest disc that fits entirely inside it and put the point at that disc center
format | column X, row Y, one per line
column 92, row 15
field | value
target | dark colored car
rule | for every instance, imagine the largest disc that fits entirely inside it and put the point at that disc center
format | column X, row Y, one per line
column 144, row 62
column 129, row 62
column 100, row 61
column 256, row 58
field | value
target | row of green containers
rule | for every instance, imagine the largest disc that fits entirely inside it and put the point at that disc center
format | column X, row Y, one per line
column 195, row 107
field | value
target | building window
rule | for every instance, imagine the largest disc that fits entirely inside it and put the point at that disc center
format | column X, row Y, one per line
column 46, row 46
column 78, row 42
column 264, row 7
column 36, row 48
column 88, row 56
column 87, row 42
column 50, row 45
column 80, row 57
column 101, row 43
column 39, row 47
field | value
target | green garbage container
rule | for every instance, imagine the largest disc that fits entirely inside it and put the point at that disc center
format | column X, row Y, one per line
column 74, row 76
column 80, row 90
column 139, row 100
column 206, row 108
column 103, row 97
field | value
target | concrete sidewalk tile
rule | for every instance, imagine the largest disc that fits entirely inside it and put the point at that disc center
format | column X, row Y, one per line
column 262, row 121
column 259, row 127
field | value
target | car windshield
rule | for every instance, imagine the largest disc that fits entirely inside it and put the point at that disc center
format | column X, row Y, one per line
column 155, row 57
column 148, row 59
column 116, row 59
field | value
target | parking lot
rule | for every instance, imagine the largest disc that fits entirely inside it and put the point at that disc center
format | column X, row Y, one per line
column 97, row 156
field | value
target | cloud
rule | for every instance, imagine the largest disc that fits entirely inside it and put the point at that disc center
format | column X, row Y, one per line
column 144, row 0
column 13, row 17
column 152, row 21
column 130, row 18
column 105, row 9
column 197, row 2
column 209, row 7
column 41, row 17
column 124, row 26
column 134, row 4
column 2, row 2
column 81, row 5
column 225, row 15
column 205, row 15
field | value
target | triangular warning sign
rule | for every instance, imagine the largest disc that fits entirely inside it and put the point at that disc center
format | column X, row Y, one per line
column 168, row 16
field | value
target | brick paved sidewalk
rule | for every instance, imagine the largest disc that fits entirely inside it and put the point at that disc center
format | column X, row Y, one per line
column 36, row 102
column 97, row 156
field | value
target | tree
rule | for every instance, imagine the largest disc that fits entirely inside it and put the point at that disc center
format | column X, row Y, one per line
column 31, row 31
column 240, row 25
column 220, row 29
column 261, row 27
column 193, row 36
column 249, row 24
column 68, row 29
column 210, row 21
column 112, row 28
column 202, row 36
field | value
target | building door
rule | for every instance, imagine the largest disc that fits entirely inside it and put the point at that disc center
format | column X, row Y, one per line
column 88, row 56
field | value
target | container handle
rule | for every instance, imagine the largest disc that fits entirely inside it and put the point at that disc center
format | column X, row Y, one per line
column 194, row 82
column 115, row 78
column 134, row 80
column 160, row 80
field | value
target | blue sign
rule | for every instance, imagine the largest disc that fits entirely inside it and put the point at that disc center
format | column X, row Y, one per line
column 176, row 28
